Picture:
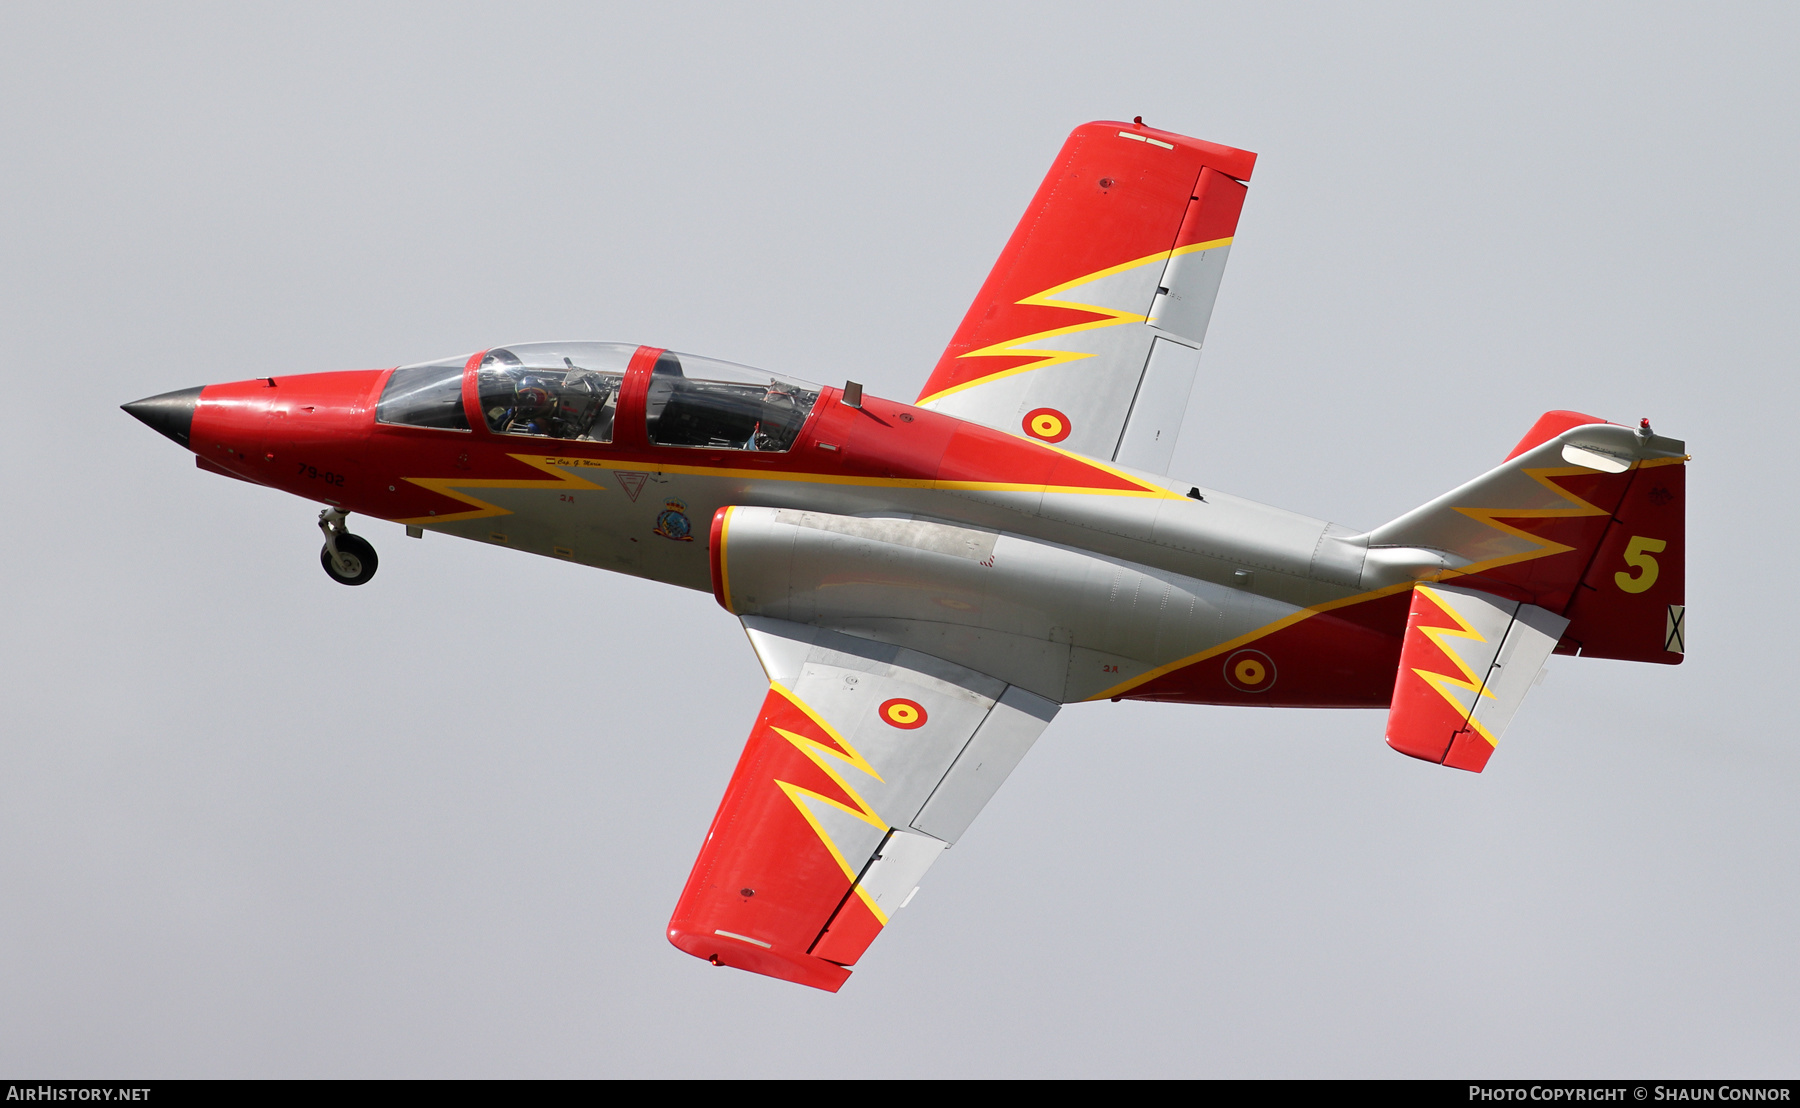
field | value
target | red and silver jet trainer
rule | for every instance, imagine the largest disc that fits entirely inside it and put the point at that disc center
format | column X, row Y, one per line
column 927, row 583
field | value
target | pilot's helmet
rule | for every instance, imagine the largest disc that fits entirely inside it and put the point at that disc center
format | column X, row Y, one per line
column 533, row 397
column 498, row 362
column 497, row 374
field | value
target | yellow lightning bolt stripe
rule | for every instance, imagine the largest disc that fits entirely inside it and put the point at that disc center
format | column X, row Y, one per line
column 1026, row 345
column 1143, row 489
column 1443, row 682
column 1247, row 638
column 447, row 485
column 853, row 757
column 556, row 467
column 799, row 797
column 1480, row 515
column 815, row 752
column 1150, row 491
column 1542, row 547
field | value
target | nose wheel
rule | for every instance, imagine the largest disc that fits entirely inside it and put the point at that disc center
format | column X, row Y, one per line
column 348, row 559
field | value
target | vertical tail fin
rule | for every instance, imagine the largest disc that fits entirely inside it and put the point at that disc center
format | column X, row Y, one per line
column 1632, row 602
column 1577, row 543
column 1558, row 518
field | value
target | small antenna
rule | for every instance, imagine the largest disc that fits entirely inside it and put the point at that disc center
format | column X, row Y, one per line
column 852, row 394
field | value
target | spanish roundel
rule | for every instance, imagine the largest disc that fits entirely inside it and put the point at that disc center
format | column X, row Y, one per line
column 1047, row 424
column 1250, row 671
column 902, row 713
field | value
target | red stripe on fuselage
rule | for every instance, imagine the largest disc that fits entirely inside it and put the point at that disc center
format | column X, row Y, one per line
column 879, row 442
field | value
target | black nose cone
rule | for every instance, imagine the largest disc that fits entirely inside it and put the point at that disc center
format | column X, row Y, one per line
column 170, row 414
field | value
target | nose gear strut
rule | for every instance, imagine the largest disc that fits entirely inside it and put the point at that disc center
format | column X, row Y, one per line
column 348, row 559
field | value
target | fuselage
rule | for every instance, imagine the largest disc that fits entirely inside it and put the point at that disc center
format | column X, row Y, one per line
column 1115, row 583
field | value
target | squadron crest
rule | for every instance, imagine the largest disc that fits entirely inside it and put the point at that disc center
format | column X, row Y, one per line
column 672, row 522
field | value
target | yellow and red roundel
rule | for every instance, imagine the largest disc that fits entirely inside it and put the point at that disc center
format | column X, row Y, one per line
column 1250, row 671
column 1047, row 424
column 902, row 713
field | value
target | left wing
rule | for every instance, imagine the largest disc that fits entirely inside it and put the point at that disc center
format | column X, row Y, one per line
column 1087, row 333
column 866, row 762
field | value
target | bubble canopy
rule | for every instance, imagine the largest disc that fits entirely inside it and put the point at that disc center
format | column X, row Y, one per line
column 425, row 395
column 572, row 391
column 558, row 390
column 704, row 402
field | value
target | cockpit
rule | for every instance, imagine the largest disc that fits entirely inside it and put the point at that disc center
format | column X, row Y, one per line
column 558, row 390
column 572, row 390
column 697, row 401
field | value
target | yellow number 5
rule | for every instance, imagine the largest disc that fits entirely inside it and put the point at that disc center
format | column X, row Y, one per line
column 1637, row 553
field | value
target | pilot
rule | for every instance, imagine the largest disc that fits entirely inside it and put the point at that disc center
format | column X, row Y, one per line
column 534, row 405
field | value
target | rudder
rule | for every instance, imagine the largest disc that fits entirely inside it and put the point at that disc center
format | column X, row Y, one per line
column 1632, row 602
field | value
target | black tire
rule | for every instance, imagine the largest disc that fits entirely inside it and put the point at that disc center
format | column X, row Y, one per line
column 352, row 549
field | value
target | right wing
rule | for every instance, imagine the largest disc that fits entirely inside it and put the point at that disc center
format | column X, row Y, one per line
column 866, row 762
column 1087, row 333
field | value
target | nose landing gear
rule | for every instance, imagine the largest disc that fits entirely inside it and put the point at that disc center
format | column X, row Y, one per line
column 347, row 558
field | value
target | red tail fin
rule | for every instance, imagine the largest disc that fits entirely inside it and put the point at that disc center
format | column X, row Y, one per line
column 1554, row 526
column 1632, row 601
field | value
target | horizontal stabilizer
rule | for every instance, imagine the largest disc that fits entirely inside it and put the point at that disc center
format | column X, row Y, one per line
column 1467, row 660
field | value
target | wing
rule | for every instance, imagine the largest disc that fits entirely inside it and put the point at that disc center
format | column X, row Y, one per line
column 866, row 762
column 1087, row 333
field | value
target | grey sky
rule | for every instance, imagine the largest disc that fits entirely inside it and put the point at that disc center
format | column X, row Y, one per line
column 254, row 823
